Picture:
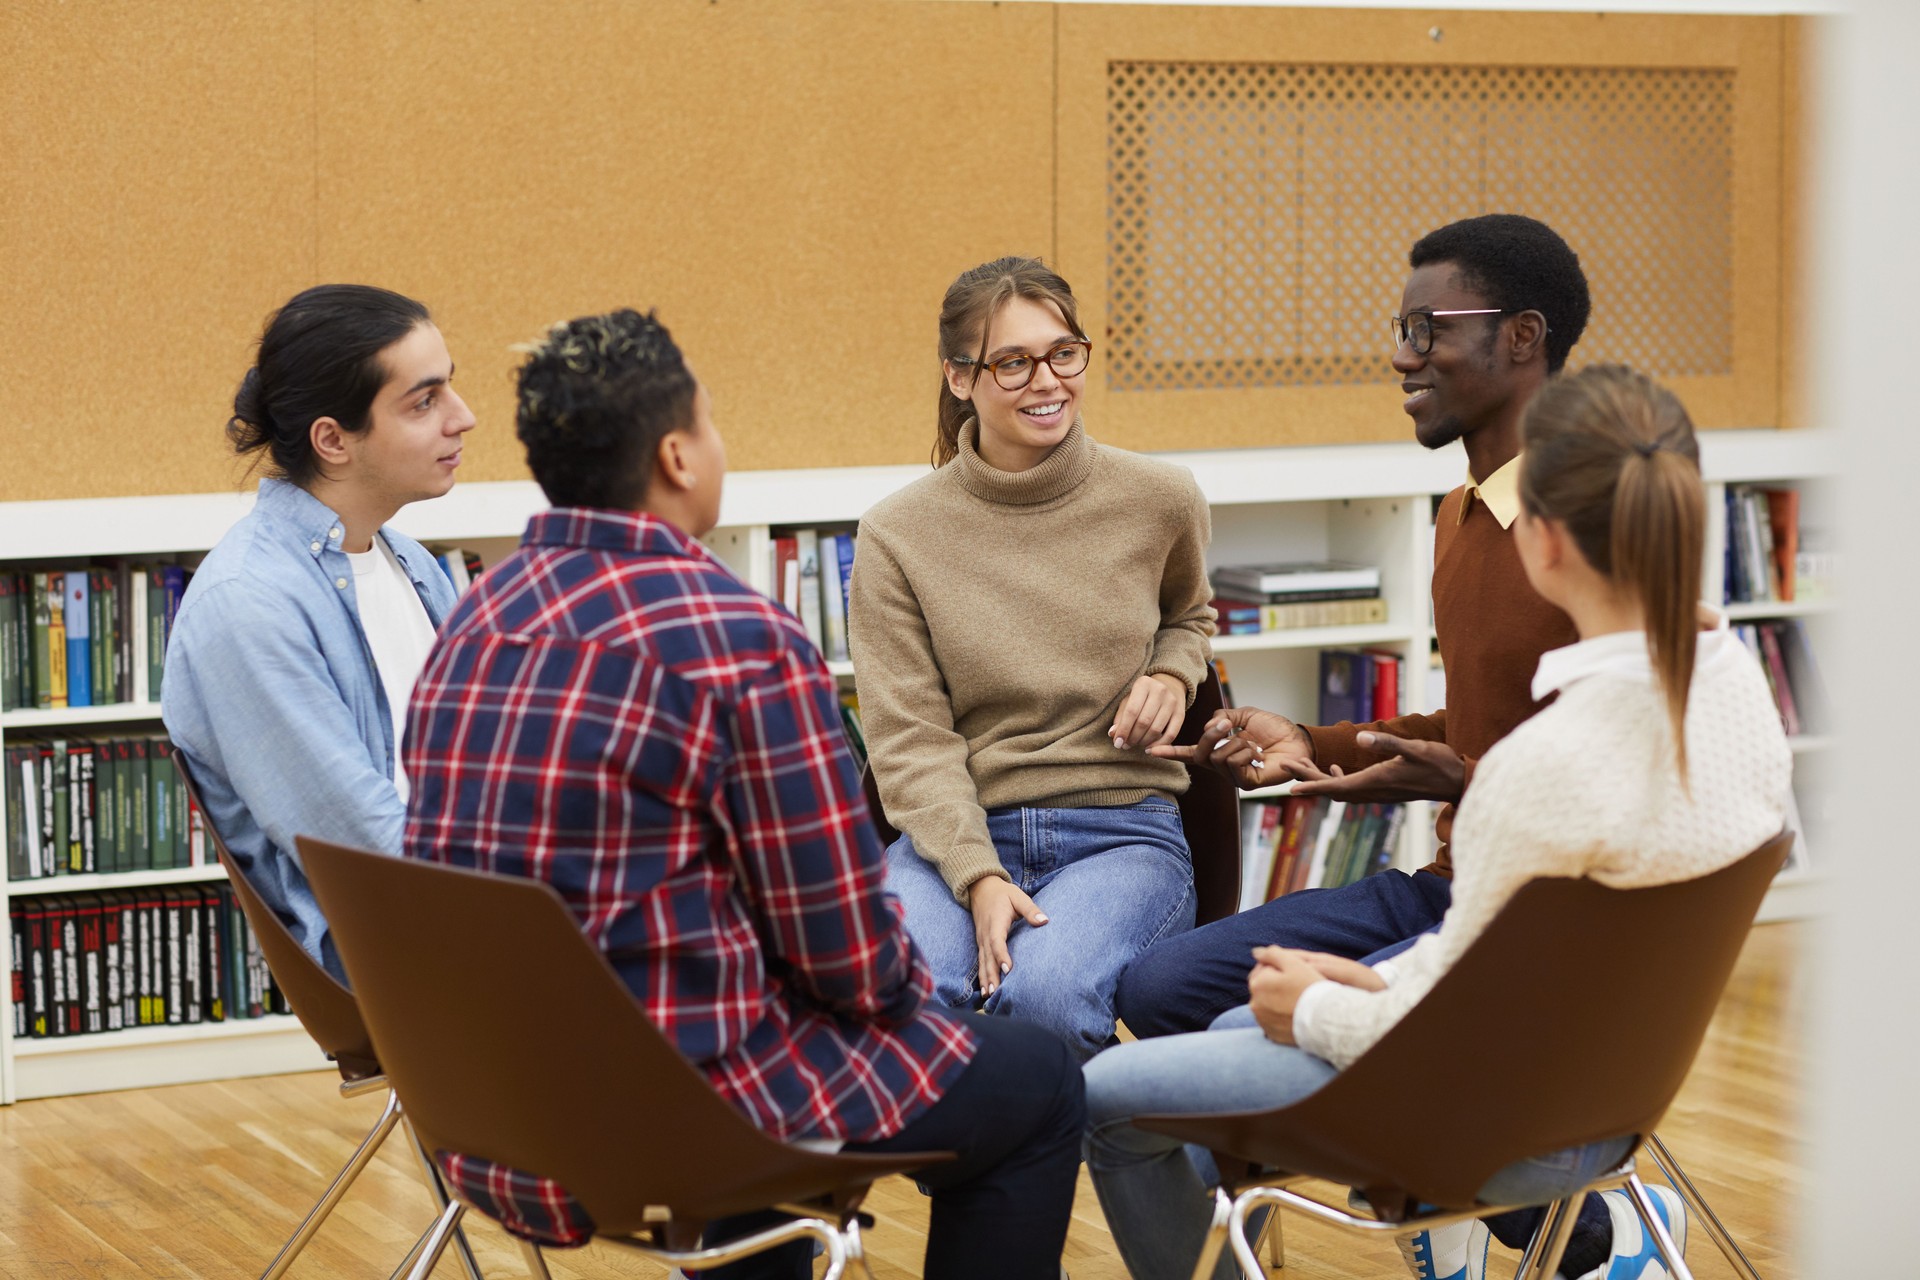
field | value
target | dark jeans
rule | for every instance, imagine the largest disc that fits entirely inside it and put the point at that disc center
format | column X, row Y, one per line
column 1015, row 1118
column 1186, row 982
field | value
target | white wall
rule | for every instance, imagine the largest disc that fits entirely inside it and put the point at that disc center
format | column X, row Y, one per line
column 1863, row 1097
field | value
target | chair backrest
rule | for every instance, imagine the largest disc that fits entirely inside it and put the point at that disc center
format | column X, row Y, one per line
column 510, row 1038
column 1574, row 1018
column 325, row 1008
column 1209, row 813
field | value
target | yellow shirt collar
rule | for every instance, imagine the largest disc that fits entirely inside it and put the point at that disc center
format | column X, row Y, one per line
column 1500, row 491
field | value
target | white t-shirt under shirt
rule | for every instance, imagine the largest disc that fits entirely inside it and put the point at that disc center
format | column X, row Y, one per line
column 398, row 631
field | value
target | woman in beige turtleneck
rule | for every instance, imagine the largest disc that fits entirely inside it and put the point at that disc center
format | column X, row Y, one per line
column 1025, row 622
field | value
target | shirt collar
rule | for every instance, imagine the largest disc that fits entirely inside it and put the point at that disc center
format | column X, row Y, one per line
column 1623, row 654
column 603, row 530
column 288, row 503
column 1500, row 491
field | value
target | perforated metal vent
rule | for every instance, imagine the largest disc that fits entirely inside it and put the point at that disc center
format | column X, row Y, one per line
column 1259, row 214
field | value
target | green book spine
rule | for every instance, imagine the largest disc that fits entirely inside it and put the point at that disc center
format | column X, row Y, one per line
column 177, row 802
column 9, row 647
column 43, row 642
column 62, row 818
column 141, row 807
column 123, row 804
column 160, row 795
column 106, row 807
column 96, row 649
column 86, row 844
column 18, row 867
column 156, row 632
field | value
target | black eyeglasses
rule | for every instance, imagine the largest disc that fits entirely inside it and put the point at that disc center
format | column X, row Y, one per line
column 1015, row 372
column 1416, row 330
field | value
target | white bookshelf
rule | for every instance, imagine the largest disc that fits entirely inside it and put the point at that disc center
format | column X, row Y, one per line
column 1370, row 503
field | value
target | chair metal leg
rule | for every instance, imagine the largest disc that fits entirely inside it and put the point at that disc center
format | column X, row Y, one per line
column 1651, row 1220
column 1702, row 1211
column 1216, row 1235
column 1549, row 1243
column 1273, row 1235
column 536, row 1263
column 434, row 1243
column 389, row 1116
column 441, row 1199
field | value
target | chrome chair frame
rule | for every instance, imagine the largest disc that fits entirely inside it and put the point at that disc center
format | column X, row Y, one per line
column 1541, row 1260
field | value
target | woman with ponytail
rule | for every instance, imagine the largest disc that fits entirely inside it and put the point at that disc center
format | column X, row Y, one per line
column 1660, row 759
column 295, row 648
column 1026, row 622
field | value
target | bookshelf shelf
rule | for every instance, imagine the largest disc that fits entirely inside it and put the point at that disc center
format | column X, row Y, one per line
column 116, row 880
column 1368, row 503
column 1779, row 609
column 1315, row 638
column 840, row 670
column 60, row 717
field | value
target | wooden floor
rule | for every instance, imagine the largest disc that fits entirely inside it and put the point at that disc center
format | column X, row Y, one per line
column 208, row 1180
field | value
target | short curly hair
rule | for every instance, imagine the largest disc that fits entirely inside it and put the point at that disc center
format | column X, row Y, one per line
column 1516, row 263
column 597, row 395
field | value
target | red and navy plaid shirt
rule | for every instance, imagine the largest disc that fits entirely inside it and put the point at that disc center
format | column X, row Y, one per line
column 612, row 711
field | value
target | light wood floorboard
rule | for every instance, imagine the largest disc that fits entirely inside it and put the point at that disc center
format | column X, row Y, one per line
column 208, row 1180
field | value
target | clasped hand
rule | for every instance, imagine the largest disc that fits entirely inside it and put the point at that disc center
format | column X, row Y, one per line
column 1281, row 975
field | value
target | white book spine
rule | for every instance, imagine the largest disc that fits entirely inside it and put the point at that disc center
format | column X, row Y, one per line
column 809, row 561
column 833, row 605
column 1329, row 827
column 138, row 613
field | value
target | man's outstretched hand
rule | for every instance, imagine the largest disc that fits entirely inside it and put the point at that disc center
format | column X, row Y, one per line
column 1412, row 770
column 1255, row 748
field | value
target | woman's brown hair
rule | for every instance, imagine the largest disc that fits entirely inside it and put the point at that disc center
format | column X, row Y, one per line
column 1611, row 455
column 971, row 303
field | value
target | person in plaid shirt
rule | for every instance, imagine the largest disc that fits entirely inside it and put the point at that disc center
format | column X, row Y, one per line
column 612, row 711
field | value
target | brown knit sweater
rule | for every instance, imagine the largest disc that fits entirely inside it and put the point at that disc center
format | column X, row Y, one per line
column 997, row 622
column 1492, row 628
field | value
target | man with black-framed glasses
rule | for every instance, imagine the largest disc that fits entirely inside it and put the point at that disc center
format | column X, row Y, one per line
column 1491, row 310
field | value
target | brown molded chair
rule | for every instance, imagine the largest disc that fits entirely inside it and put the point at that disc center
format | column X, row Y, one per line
column 331, row 1016
column 1209, row 813
column 1601, row 997
column 516, row 1047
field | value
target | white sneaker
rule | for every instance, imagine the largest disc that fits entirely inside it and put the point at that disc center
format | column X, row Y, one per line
column 1634, row 1255
column 1458, row 1252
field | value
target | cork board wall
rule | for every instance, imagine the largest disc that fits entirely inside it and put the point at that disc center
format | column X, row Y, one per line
column 792, row 183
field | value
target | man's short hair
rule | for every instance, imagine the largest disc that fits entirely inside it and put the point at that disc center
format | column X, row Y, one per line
column 597, row 395
column 1517, row 264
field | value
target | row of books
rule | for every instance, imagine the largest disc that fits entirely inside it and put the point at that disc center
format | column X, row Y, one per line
column 812, row 575
column 1787, row 657
column 79, row 806
column 1769, row 557
column 1311, row 842
column 86, row 637
column 1359, row 685
column 1242, row 618
column 87, row 963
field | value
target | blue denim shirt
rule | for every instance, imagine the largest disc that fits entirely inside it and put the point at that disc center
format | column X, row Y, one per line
column 271, row 694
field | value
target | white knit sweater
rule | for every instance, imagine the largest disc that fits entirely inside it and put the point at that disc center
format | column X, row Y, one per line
column 1588, row 787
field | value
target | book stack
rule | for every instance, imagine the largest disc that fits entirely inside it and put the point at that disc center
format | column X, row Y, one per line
column 1787, row 657
column 812, row 574
column 1310, row 842
column 86, row 637
column 77, row 806
column 1359, row 685
column 1252, row 598
column 1763, row 555
column 158, row 956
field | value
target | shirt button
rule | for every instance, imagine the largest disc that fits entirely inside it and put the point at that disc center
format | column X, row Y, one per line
column 316, row 546
column 333, row 533
column 340, row 583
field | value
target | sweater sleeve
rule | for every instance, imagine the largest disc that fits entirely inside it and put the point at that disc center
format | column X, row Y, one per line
column 1333, row 744
column 1513, row 828
column 1182, row 647
column 918, row 757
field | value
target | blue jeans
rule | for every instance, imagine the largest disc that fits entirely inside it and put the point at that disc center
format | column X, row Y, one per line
column 1113, row 881
column 1187, row 982
column 1156, row 1194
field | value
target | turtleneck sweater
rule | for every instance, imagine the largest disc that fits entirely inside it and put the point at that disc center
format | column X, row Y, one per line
column 998, row 620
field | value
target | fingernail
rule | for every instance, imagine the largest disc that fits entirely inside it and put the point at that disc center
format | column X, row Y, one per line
column 1042, row 917
column 1004, row 966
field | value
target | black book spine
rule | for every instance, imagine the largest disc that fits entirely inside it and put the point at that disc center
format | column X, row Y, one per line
column 66, row 968
column 39, row 979
column 193, row 953
column 17, row 965
column 172, row 963
column 93, row 987
column 213, row 949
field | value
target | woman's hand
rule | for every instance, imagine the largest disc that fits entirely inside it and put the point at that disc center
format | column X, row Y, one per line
column 1151, row 714
column 1254, row 748
column 1348, row 973
column 995, row 903
column 1274, row 988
